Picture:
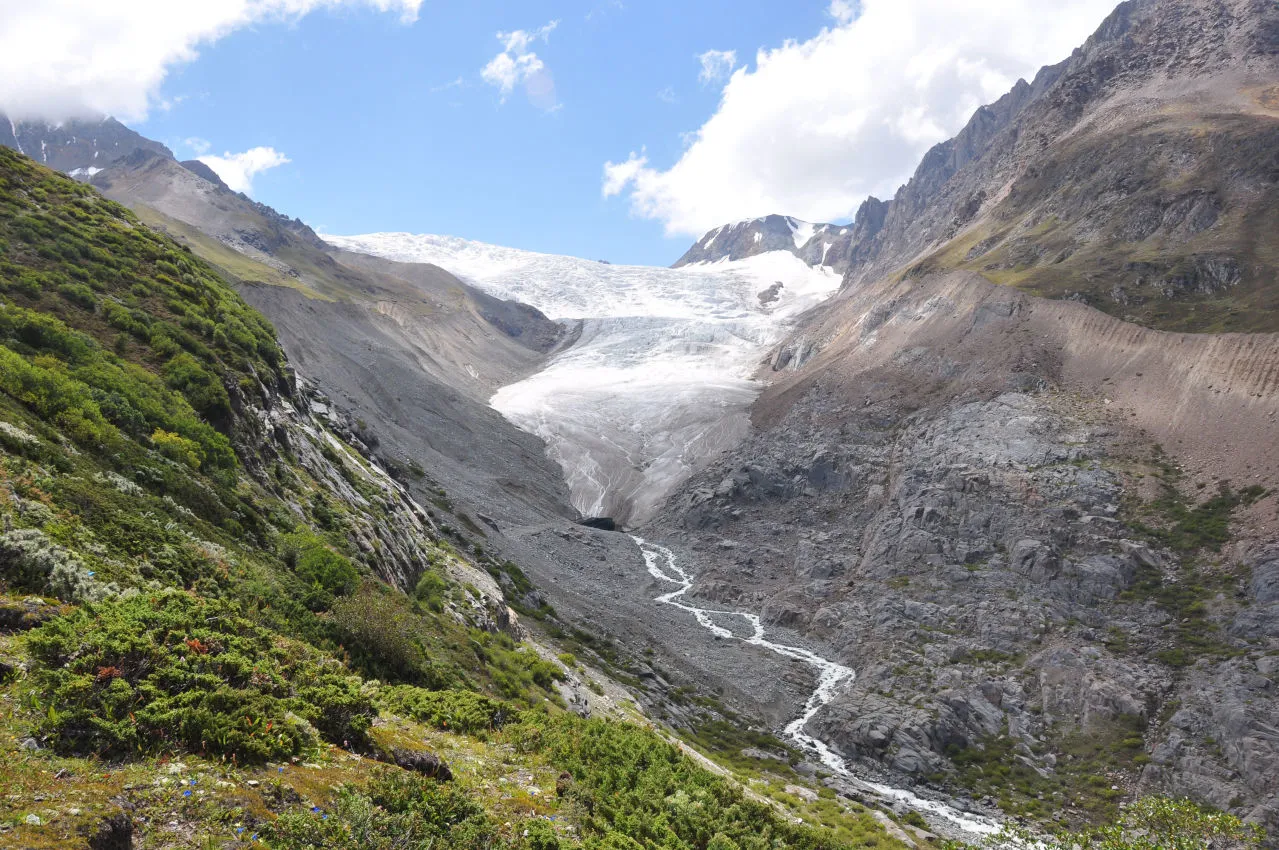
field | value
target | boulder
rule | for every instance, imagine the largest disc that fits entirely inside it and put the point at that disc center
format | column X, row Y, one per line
column 423, row 762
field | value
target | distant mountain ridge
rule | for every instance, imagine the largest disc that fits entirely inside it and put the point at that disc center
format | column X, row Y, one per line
column 79, row 147
column 812, row 243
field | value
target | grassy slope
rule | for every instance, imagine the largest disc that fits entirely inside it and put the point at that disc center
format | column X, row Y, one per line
column 192, row 631
column 227, row 260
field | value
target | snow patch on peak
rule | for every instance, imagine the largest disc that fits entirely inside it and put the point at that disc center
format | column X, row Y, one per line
column 801, row 231
column 714, row 235
column 83, row 173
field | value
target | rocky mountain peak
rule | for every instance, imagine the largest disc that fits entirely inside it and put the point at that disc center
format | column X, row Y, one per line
column 812, row 243
column 78, row 147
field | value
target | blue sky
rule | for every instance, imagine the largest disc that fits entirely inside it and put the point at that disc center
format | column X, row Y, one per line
column 378, row 139
column 440, row 117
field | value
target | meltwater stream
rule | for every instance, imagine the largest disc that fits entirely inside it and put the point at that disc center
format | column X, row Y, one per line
column 831, row 678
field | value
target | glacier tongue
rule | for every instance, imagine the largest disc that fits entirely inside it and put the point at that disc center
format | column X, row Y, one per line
column 658, row 380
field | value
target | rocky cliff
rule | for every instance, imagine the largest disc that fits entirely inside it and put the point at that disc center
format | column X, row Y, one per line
column 1042, row 531
column 1027, row 526
column 1138, row 176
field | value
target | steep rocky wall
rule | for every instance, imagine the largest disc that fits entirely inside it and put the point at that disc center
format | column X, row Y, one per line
column 1071, row 184
column 949, row 493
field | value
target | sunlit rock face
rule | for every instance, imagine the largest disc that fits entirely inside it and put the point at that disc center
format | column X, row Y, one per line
column 656, row 380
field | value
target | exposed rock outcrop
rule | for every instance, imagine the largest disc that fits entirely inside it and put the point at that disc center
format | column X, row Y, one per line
column 948, row 497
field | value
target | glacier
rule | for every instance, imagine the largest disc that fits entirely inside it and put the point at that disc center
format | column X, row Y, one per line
column 658, row 378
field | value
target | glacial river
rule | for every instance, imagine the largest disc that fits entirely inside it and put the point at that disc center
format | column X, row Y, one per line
column 832, row 678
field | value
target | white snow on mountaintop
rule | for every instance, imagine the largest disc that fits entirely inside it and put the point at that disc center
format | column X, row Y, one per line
column 659, row 378
column 802, row 231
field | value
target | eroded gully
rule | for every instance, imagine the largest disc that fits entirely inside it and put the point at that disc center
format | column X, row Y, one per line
column 832, row 678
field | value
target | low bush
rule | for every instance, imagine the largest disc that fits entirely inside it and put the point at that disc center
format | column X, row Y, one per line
column 397, row 812
column 326, row 573
column 633, row 788
column 517, row 672
column 383, row 636
column 30, row 561
column 458, row 711
column 1160, row 823
column 172, row 671
column 431, row 590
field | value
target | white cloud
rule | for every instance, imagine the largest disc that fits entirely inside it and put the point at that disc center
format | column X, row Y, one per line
column 618, row 175
column 237, row 170
column 843, row 11
column 197, row 144
column 818, row 125
column 667, row 95
column 518, row 64
column 716, row 65
column 74, row 58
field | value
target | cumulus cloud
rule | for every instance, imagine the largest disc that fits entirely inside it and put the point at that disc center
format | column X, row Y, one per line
column 716, row 65
column 517, row 64
column 237, row 170
column 818, row 125
column 75, row 58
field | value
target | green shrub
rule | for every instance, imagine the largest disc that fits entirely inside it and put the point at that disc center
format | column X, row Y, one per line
column 200, row 386
column 334, row 573
column 78, row 294
column 384, row 638
column 1159, row 823
column 517, row 671
column 179, row 448
column 173, row 671
column 31, row 561
column 397, row 812
column 430, row 590
column 540, row 835
column 326, row 573
column 459, row 711
column 636, row 789
column 915, row 819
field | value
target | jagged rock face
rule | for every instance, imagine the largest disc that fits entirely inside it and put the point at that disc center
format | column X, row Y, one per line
column 80, row 148
column 942, row 482
column 1141, row 175
column 938, row 497
column 815, row 244
column 192, row 193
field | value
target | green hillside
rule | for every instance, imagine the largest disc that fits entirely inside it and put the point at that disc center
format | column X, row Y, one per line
column 221, row 626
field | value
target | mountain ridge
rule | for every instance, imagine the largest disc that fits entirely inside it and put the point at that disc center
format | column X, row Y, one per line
column 1019, row 472
column 1000, row 197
